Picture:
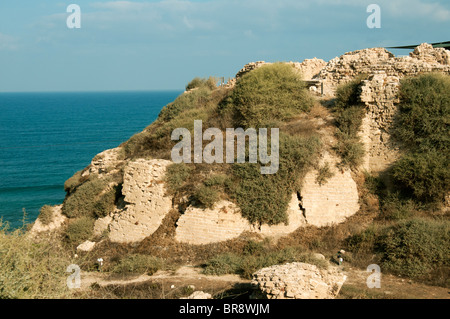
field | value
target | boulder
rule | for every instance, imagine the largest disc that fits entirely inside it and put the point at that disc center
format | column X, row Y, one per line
column 86, row 246
column 297, row 281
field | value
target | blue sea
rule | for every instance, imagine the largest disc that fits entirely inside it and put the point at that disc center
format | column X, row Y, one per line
column 46, row 137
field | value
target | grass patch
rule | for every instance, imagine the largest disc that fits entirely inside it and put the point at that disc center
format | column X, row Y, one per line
column 46, row 214
column 31, row 269
column 138, row 264
column 255, row 257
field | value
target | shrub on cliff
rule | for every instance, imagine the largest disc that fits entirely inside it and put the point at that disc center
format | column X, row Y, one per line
column 268, row 94
column 46, row 214
column 185, row 102
column 423, row 126
column 349, row 113
column 424, row 115
column 424, row 175
column 93, row 198
column 264, row 198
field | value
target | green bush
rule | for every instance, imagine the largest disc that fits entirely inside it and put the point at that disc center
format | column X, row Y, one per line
column 423, row 123
column 210, row 83
column 176, row 176
column 264, row 198
column 350, row 149
column 412, row 247
column 415, row 247
column 270, row 93
column 73, row 182
column 185, row 102
column 207, row 196
column 79, row 230
column 223, row 264
column 396, row 208
column 138, row 264
column 347, row 94
column 424, row 114
column 349, row 113
column 88, row 200
column 46, row 214
column 426, row 175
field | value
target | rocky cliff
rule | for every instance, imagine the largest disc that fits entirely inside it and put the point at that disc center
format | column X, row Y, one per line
column 144, row 201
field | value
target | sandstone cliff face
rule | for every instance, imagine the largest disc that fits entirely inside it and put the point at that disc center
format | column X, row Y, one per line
column 146, row 203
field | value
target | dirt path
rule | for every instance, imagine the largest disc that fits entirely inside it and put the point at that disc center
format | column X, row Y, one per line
column 392, row 287
column 169, row 281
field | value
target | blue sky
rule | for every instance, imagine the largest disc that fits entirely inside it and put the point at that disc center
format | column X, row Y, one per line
column 161, row 45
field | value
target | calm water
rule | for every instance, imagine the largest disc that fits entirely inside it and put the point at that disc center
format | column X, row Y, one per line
column 46, row 137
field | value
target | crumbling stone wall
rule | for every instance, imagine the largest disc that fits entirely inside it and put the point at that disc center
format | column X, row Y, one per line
column 379, row 92
column 224, row 221
column 333, row 201
column 380, row 95
column 342, row 69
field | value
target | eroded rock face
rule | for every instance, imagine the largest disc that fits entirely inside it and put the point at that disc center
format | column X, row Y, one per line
column 105, row 163
column 146, row 203
column 203, row 226
column 297, row 281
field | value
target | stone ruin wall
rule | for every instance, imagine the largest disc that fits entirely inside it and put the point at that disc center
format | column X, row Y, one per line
column 379, row 92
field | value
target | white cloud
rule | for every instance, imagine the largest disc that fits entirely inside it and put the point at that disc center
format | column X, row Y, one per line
column 8, row 43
